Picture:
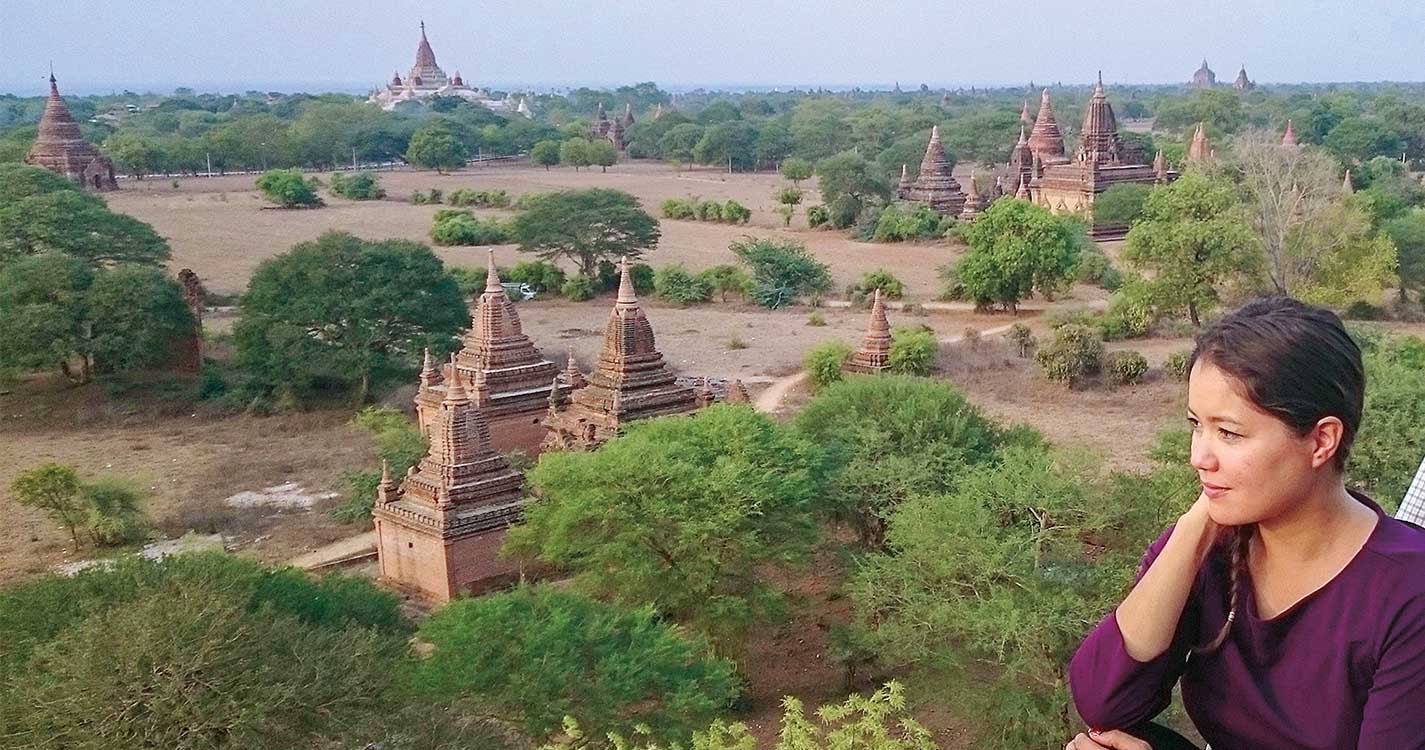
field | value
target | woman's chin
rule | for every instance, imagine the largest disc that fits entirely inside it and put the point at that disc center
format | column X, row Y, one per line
column 1222, row 513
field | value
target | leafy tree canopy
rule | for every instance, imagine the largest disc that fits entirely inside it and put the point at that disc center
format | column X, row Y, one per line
column 1016, row 249
column 585, row 227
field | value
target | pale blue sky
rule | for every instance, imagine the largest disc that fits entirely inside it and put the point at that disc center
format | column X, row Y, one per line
column 104, row 45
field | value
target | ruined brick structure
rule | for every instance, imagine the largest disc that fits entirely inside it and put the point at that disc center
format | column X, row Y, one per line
column 499, row 364
column 188, row 350
column 1203, row 77
column 439, row 531
column 1243, row 83
column 61, row 148
column 608, row 130
column 935, row 186
column 1199, row 150
column 1289, row 137
column 631, row 381
column 1045, row 138
column 875, row 353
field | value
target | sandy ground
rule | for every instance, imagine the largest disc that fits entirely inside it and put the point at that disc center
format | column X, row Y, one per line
column 221, row 228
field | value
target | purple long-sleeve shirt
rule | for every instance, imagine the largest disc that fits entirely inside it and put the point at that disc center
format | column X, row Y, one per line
column 1342, row 669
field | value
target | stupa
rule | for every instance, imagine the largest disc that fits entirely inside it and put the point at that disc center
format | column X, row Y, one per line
column 631, row 381
column 1203, row 77
column 627, row 115
column 500, row 365
column 1199, row 150
column 1243, row 83
column 974, row 202
column 61, row 148
column 1289, row 137
column 935, row 186
column 1045, row 139
column 874, row 356
column 440, row 530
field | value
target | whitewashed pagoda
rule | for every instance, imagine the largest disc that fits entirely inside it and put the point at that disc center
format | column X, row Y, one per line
column 426, row 79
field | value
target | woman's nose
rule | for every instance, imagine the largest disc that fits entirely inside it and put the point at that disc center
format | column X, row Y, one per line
column 1202, row 456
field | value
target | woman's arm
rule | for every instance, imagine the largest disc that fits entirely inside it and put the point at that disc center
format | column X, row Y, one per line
column 1117, row 685
column 1394, row 715
column 1149, row 617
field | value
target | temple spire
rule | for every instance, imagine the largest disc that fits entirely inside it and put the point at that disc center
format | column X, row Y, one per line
column 1160, row 168
column 626, row 296
column 455, row 392
column 1346, row 185
column 1289, row 137
column 492, row 276
column 874, row 355
column 1045, row 137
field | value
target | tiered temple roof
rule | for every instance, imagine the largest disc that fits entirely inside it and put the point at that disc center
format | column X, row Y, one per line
column 61, row 148
column 628, row 115
column 426, row 79
column 1046, row 139
column 875, row 353
column 1203, row 77
column 631, row 381
column 1099, row 139
column 1199, row 150
column 454, row 504
column 935, row 186
column 1289, row 137
column 1243, row 83
column 974, row 202
column 497, row 361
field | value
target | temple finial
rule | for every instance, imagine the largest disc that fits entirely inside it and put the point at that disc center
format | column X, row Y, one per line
column 492, row 276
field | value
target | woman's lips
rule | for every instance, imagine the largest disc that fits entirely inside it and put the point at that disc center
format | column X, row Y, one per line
column 1213, row 491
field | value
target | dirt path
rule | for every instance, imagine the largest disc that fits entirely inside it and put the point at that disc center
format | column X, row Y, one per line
column 770, row 400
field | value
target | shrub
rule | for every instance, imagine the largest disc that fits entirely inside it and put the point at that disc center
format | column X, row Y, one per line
column 676, row 284
column 782, row 270
column 1176, row 365
column 816, row 319
column 115, row 514
column 1023, row 339
column 1131, row 313
column 1120, row 204
column 709, row 211
column 1075, row 353
column 526, row 201
column 680, row 208
column 735, row 213
column 823, row 363
column 726, row 278
column 913, row 351
column 541, row 275
column 843, row 212
column 900, row 224
column 470, row 280
column 479, row 198
column 1126, row 367
column 399, row 443
column 1096, row 268
column 1388, row 450
column 578, row 289
column 952, row 289
column 866, row 222
column 361, row 186
column 432, row 196
column 642, row 276
column 463, row 228
column 107, row 511
column 890, row 286
column 817, row 215
column 736, row 343
column 288, row 188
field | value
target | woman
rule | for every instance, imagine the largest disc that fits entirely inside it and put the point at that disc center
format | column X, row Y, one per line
column 1291, row 609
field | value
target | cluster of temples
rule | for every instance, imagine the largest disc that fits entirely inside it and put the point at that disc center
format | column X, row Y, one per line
column 612, row 130
column 61, row 148
column 440, row 527
column 1204, row 78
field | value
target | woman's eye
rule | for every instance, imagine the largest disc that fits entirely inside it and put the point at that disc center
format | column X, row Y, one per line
column 1227, row 434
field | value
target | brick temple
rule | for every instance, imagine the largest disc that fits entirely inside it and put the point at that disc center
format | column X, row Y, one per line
column 935, row 186
column 631, row 381
column 509, row 379
column 1102, row 160
column 875, row 353
column 440, row 530
column 61, row 148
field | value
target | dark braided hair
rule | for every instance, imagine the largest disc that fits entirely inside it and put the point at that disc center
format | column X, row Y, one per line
column 1297, row 363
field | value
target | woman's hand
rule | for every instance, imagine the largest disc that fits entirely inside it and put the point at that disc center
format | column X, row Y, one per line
column 1110, row 740
column 1198, row 525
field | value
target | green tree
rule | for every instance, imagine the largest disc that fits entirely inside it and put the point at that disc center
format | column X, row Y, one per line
column 1408, row 234
column 603, row 154
column 1120, row 204
column 848, row 174
column 537, row 654
column 586, row 227
column 288, row 188
column 436, row 145
column 135, row 315
column 55, row 490
column 789, row 198
column 796, row 169
column 40, row 211
column 726, row 278
column 1194, row 238
column 575, row 153
column 782, row 270
column 680, row 513
column 677, row 144
column 1357, row 139
column 729, row 143
column 1016, row 249
column 133, row 153
column 1011, row 566
column 342, row 310
column 913, row 351
column 545, row 154
column 226, row 654
column 43, row 320
column 894, row 437
column 1387, row 452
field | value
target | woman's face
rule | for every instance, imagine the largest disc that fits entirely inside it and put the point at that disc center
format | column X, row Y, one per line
column 1252, row 466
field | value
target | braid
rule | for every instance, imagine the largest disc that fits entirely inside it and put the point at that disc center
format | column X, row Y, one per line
column 1238, row 576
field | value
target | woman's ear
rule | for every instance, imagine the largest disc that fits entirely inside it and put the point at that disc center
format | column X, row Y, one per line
column 1326, row 439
